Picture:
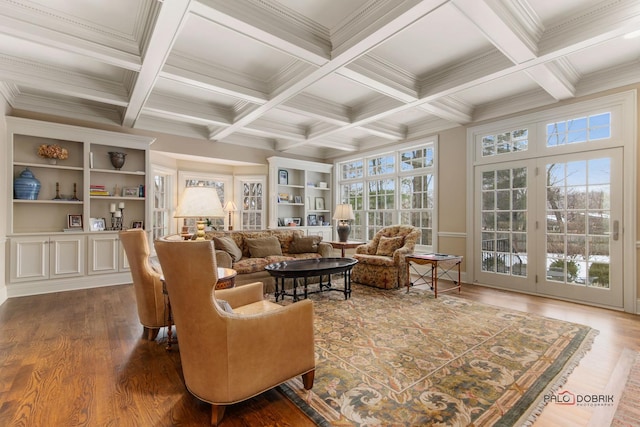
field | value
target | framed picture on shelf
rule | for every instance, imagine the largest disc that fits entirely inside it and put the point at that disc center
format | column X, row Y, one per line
column 74, row 221
column 283, row 197
column 297, row 199
column 287, row 221
column 97, row 224
column 130, row 192
column 137, row 224
column 312, row 220
column 283, row 177
column 321, row 220
column 319, row 203
column 297, row 221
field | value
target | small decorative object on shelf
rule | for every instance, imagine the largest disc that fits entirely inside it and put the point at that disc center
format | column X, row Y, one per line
column 26, row 186
column 53, row 152
column 57, row 192
column 117, row 159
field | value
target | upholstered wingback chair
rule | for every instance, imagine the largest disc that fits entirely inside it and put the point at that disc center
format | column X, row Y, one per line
column 146, row 282
column 381, row 262
column 228, row 357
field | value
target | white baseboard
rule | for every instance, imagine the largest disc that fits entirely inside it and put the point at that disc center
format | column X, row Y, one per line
column 71, row 284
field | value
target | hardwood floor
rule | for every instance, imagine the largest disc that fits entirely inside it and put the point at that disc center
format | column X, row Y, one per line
column 78, row 358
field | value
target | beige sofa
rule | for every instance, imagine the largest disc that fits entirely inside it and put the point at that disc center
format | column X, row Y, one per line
column 293, row 244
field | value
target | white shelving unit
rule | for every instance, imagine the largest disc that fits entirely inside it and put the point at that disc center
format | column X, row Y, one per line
column 300, row 191
column 45, row 258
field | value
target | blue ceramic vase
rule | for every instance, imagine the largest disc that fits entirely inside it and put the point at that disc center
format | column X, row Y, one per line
column 26, row 186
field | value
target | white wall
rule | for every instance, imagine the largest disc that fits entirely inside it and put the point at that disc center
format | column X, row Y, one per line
column 4, row 189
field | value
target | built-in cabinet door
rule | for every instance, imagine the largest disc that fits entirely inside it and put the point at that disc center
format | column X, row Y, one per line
column 46, row 257
column 66, row 256
column 104, row 253
column 30, row 257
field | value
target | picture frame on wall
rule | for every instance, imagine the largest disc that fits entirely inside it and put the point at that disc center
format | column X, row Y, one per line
column 137, row 224
column 283, row 177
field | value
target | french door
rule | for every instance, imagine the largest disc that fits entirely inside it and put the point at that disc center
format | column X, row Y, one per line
column 551, row 226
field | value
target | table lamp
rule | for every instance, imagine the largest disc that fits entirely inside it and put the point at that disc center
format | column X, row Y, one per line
column 343, row 213
column 199, row 202
column 230, row 207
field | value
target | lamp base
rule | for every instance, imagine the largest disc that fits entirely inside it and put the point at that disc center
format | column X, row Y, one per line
column 200, row 229
column 343, row 231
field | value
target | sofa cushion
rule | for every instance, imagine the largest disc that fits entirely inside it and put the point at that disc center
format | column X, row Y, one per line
column 301, row 245
column 263, row 246
column 388, row 245
column 250, row 265
column 228, row 245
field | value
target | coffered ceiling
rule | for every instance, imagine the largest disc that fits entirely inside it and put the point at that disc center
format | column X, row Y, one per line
column 313, row 78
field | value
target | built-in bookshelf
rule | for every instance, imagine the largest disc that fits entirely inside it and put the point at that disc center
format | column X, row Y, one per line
column 300, row 193
column 51, row 235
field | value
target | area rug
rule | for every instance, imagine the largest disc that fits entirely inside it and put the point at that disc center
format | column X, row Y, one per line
column 627, row 412
column 391, row 358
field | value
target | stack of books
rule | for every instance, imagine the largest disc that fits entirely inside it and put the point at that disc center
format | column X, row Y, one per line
column 98, row 190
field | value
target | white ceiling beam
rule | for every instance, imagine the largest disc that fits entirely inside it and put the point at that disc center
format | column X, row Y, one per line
column 193, row 112
column 450, row 109
column 267, row 27
column 205, row 82
column 366, row 42
column 388, row 131
column 336, row 145
column 314, row 107
column 382, row 77
column 558, row 78
column 275, row 130
column 79, row 110
column 171, row 17
column 501, row 27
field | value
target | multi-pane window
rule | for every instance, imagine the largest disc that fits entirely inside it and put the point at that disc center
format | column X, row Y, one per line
column 161, row 206
column 391, row 188
column 506, row 142
column 504, row 221
column 579, row 130
column 251, row 211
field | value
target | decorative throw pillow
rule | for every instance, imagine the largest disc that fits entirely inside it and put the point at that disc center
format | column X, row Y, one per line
column 224, row 305
column 229, row 246
column 263, row 246
column 388, row 245
column 303, row 245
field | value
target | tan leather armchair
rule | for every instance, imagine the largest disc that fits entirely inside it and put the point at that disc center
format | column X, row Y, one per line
column 381, row 262
column 228, row 357
column 150, row 300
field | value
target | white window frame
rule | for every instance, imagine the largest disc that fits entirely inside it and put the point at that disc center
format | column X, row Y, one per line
column 170, row 197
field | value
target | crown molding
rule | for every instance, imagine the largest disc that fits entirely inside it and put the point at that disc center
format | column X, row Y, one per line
column 611, row 78
column 384, row 130
column 53, row 79
column 159, row 124
column 449, row 108
column 170, row 107
column 593, row 25
column 558, row 78
column 316, row 108
column 76, row 110
column 383, row 77
column 514, row 104
column 276, row 26
column 272, row 129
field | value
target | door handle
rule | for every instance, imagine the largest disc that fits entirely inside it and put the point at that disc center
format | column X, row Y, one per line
column 616, row 229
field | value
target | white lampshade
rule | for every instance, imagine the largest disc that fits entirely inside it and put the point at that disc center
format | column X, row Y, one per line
column 199, row 202
column 344, row 212
column 230, row 207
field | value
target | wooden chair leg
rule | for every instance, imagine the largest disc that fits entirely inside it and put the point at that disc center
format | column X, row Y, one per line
column 150, row 333
column 307, row 379
column 217, row 412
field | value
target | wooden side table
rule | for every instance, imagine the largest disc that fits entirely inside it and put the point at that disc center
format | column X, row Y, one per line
column 441, row 266
column 226, row 280
column 349, row 244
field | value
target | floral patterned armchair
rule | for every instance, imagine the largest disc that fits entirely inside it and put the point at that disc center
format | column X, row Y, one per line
column 381, row 262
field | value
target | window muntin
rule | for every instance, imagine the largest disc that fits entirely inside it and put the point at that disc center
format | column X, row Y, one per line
column 506, row 142
column 251, row 210
column 384, row 194
column 579, row 130
column 161, row 206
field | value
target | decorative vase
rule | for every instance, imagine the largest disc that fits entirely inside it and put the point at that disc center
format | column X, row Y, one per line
column 117, row 159
column 26, row 186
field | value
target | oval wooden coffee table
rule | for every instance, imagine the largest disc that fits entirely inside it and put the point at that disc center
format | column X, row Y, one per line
column 305, row 268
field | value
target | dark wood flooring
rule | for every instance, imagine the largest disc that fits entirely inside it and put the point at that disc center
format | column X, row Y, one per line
column 78, row 359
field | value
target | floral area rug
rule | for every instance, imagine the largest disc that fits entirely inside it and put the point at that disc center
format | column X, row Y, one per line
column 391, row 358
column 627, row 413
